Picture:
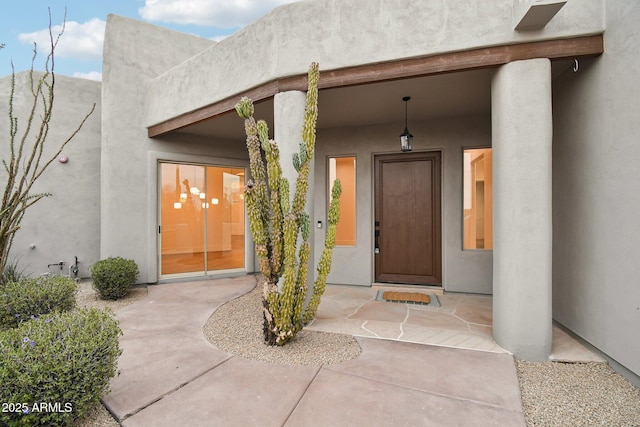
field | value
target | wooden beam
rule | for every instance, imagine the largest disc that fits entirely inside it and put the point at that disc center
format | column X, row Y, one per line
column 210, row 111
column 395, row 70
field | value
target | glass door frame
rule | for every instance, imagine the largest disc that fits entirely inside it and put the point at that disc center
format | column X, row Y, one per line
column 246, row 234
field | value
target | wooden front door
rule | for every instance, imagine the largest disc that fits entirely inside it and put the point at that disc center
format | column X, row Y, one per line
column 408, row 218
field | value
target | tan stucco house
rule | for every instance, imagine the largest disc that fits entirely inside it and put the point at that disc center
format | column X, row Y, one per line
column 522, row 180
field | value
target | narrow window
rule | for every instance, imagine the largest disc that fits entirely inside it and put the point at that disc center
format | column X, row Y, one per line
column 344, row 169
column 478, row 196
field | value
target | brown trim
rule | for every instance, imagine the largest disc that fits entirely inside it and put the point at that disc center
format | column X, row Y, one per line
column 395, row 70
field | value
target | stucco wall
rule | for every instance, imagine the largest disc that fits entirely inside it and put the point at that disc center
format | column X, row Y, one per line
column 134, row 54
column 463, row 271
column 66, row 224
column 338, row 34
column 596, row 192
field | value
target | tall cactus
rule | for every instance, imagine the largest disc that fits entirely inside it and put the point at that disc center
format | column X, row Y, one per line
column 280, row 226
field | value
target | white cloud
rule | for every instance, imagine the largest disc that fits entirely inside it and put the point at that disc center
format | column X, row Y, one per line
column 91, row 75
column 79, row 41
column 217, row 13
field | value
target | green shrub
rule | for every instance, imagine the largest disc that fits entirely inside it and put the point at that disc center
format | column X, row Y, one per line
column 29, row 298
column 113, row 277
column 11, row 273
column 53, row 369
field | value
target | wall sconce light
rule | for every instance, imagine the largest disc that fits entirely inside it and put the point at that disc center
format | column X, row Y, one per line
column 214, row 201
column 405, row 137
column 177, row 205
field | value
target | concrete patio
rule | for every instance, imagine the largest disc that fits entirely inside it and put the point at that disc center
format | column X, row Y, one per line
column 170, row 374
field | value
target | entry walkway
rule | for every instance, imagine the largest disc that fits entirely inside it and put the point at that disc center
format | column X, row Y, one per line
column 461, row 321
column 171, row 375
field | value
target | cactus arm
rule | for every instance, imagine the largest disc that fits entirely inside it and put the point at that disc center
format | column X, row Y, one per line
column 301, row 284
column 256, row 188
column 308, row 140
column 324, row 265
column 284, row 196
column 293, row 291
column 257, row 228
column 274, row 173
column 289, row 274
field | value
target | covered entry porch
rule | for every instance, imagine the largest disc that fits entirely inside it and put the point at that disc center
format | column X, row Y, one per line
column 493, row 97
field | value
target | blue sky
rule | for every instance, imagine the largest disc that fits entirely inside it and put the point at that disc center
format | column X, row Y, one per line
column 79, row 51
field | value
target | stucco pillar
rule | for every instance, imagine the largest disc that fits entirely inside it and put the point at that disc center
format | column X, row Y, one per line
column 521, row 139
column 288, row 118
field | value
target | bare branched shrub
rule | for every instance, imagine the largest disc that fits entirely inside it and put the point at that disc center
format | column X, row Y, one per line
column 27, row 161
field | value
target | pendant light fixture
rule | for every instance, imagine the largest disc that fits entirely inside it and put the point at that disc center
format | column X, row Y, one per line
column 406, row 137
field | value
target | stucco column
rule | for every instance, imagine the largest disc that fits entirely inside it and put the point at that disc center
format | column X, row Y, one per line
column 288, row 118
column 521, row 139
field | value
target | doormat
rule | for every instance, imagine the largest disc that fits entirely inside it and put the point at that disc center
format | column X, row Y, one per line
column 408, row 298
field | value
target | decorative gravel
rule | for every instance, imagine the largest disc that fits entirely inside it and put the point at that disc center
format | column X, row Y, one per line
column 98, row 416
column 236, row 328
column 577, row 394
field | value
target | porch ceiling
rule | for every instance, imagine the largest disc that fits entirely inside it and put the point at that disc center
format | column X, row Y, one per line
column 444, row 95
column 465, row 93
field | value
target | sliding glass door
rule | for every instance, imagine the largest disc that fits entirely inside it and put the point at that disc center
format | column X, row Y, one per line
column 201, row 219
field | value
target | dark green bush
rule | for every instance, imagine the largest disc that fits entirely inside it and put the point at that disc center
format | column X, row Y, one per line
column 29, row 298
column 113, row 277
column 53, row 369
